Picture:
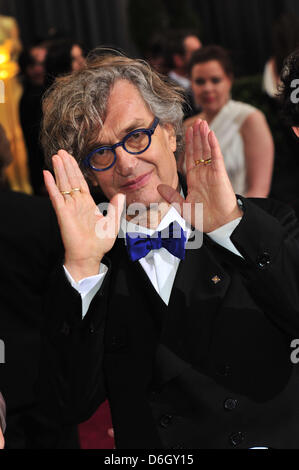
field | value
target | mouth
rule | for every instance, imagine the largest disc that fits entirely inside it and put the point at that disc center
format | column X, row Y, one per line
column 209, row 99
column 137, row 183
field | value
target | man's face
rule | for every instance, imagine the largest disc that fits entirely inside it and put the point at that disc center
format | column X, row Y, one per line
column 136, row 176
column 36, row 71
column 78, row 60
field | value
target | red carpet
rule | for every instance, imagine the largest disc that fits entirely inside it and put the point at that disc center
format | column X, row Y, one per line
column 93, row 433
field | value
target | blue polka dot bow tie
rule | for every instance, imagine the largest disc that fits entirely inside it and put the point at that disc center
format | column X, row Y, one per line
column 173, row 239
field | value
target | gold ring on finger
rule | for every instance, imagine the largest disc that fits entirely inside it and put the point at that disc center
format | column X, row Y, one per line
column 76, row 190
column 66, row 193
column 208, row 161
column 198, row 162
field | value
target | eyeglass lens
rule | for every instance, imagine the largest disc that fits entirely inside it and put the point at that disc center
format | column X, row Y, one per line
column 134, row 143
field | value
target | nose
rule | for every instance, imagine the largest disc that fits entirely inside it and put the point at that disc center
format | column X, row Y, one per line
column 125, row 162
column 208, row 86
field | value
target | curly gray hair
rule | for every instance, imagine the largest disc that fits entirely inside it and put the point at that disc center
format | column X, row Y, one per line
column 74, row 107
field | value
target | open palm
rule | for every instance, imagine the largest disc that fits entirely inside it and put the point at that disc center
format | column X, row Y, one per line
column 87, row 235
column 207, row 180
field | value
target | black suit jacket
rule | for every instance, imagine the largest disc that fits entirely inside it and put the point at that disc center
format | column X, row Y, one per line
column 210, row 370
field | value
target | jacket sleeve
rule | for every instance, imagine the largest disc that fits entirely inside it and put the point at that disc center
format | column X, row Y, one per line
column 71, row 384
column 268, row 239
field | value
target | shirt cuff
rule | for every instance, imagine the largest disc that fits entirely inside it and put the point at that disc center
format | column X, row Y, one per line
column 88, row 287
column 222, row 236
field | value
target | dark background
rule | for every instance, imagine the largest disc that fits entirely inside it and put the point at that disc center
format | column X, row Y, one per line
column 242, row 26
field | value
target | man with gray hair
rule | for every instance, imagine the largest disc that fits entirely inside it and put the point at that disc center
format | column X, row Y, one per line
column 191, row 346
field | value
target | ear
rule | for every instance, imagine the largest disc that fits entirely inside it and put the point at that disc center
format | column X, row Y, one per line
column 296, row 130
column 170, row 136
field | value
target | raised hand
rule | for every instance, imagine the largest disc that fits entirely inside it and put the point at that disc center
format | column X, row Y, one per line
column 207, row 181
column 87, row 235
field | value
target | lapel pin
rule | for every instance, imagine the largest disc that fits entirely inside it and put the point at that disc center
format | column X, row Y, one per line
column 216, row 279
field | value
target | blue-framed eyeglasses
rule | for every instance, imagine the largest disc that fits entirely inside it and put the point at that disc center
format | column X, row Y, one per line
column 135, row 143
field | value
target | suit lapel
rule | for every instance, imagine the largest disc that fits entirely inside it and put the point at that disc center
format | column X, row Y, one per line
column 136, row 279
column 198, row 291
column 158, row 308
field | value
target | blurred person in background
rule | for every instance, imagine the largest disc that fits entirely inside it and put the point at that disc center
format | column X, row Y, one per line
column 32, row 67
column 156, row 54
column 241, row 129
column 78, row 58
column 285, row 40
column 40, row 65
column 180, row 45
column 64, row 56
column 32, row 64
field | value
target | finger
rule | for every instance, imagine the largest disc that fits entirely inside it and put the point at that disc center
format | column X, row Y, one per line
column 197, row 141
column 172, row 196
column 70, row 172
column 61, row 175
column 55, row 195
column 81, row 182
column 54, row 163
column 189, row 149
column 204, row 132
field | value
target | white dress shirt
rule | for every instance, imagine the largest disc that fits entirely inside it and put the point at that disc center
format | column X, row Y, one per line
column 160, row 265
